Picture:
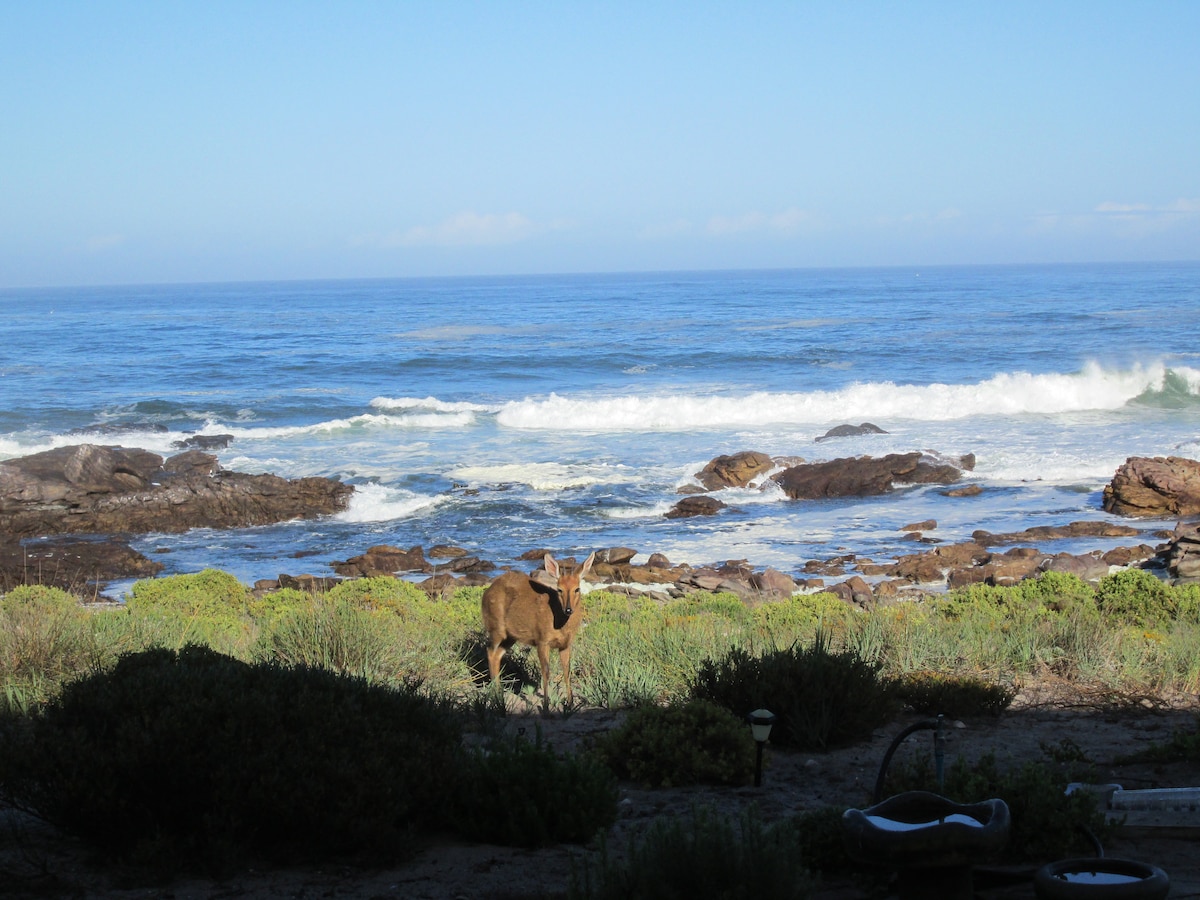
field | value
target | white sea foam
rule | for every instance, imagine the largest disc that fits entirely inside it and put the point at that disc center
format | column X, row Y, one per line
column 427, row 403
column 1010, row 393
column 379, row 503
column 543, row 476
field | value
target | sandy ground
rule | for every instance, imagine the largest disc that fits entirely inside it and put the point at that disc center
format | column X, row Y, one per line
column 35, row 862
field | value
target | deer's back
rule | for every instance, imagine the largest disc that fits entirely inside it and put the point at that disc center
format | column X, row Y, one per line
column 512, row 607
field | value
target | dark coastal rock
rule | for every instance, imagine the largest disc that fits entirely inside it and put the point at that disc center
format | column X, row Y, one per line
column 736, row 470
column 80, row 565
column 863, row 476
column 698, row 505
column 1089, row 567
column 1182, row 553
column 204, row 442
column 850, row 431
column 111, row 429
column 383, row 559
column 927, row 525
column 772, row 584
column 616, row 556
column 91, row 489
column 1156, row 487
column 968, row 490
column 1056, row 532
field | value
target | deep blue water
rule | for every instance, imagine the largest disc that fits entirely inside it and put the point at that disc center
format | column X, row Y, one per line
column 503, row 414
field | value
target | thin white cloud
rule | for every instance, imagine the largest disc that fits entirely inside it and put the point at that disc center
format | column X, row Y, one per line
column 1121, row 218
column 463, row 230
column 98, row 243
column 786, row 222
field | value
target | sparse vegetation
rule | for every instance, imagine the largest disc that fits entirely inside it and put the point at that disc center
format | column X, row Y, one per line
column 79, row 686
column 705, row 856
column 691, row 742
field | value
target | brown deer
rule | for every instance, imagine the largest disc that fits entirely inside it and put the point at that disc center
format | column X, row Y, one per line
column 520, row 608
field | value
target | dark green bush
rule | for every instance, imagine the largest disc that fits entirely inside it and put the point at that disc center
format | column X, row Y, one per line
column 706, row 857
column 822, row 698
column 1182, row 746
column 1136, row 597
column 819, row 837
column 695, row 742
column 194, row 760
column 518, row 792
column 953, row 695
column 1047, row 823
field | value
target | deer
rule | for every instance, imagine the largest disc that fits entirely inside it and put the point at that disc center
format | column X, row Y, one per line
column 519, row 608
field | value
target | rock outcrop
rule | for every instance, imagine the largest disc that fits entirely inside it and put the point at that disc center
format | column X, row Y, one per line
column 1182, row 554
column 695, row 506
column 736, row 470
column 863, row 476
column 82, row 566
column 841, row 431
column 1155, row 487
column 92, row 489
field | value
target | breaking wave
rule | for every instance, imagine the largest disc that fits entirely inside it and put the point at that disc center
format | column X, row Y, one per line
column 1007, row 394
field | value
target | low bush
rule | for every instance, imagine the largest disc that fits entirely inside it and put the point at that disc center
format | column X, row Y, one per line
column 378, row 593
column 823, row 698
column 1047, row 822
column 194, row 760
column 1136, row 597
column 518, row 792
column 706, row 856
column 45, row 639
column 208, row 607
column 693, row 742
column 954, row 695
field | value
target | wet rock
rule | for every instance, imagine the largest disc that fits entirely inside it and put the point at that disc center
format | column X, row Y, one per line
column 78, row 564
column 93, row 489
column 1155, row 487
column 445, row 551
column 699, row 505
column 969, row 490
column 736, row 470
column 865, row 475
column 927, row 525
column 205, row 442
column 841, row 431
column 1056, row 532
column 383, row 559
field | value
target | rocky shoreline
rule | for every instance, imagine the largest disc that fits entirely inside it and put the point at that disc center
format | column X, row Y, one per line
column 65, row 515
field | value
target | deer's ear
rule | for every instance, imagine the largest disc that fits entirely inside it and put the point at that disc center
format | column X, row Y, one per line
column 587, row 564
column 551, row 566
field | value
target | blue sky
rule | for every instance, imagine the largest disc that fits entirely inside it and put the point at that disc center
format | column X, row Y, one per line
column 167, row 142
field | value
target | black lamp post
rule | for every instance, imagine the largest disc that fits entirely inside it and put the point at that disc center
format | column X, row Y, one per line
column 760, row 721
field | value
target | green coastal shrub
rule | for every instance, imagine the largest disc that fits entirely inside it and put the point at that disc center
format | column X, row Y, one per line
column 823, row 698
column 1136, row 597
column 192, row 760
column 377, row 593
column 327, row 634
column 693, row 742
column 45, row 639
column 954, row 695
column 208, row 607
column 706, row 855
column 517, row 792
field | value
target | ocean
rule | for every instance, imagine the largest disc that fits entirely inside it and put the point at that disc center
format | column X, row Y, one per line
column 511, row 413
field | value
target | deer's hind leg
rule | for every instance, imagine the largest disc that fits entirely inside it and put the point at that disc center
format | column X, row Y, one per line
column 543, row 651
column 495, row 652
